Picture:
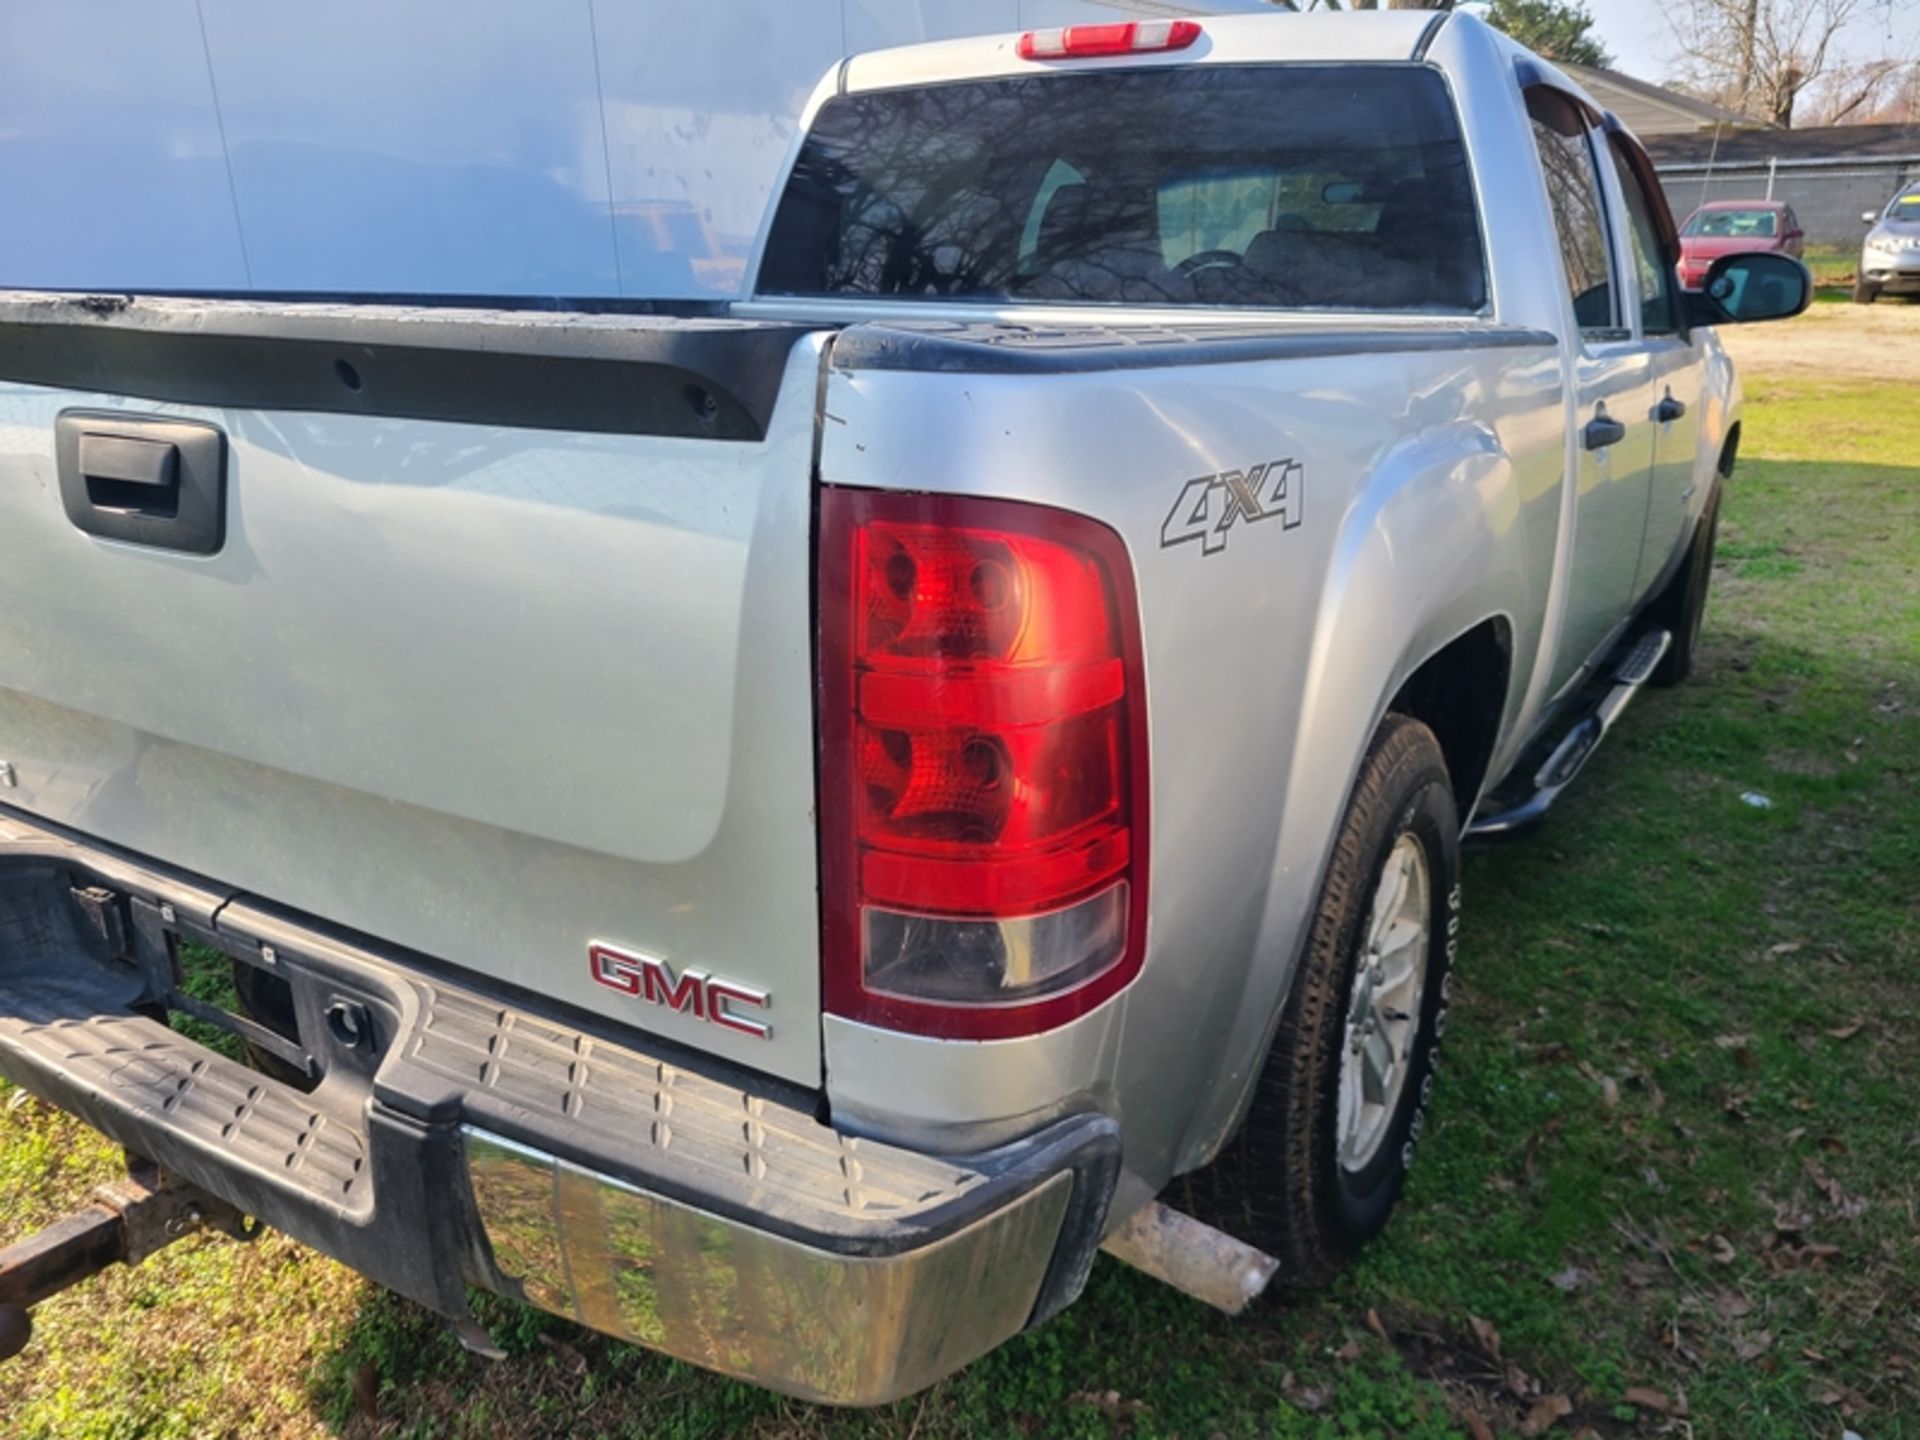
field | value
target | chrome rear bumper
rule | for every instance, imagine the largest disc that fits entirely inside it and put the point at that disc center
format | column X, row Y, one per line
column 848, row 1329
column 450, row 1136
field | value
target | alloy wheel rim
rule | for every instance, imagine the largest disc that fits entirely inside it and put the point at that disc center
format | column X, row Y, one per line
column 1383, row 1008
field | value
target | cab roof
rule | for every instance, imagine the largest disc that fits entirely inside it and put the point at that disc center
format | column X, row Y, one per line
column 1372, row 35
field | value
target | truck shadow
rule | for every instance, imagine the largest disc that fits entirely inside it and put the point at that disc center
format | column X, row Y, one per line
column 1640, row 1057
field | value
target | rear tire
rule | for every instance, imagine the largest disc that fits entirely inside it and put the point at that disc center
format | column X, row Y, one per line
column 1863, row 293
column 1316, row 1168
column 1682, row 606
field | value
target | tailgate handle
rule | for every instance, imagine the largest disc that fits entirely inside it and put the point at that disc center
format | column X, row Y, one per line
column 123, row 473
column 143, row 479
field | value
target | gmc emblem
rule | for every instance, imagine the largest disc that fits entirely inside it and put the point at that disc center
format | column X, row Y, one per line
column 692, row 992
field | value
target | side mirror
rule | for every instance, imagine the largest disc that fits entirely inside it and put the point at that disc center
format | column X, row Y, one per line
column 1743, row 288
column 1796, row 235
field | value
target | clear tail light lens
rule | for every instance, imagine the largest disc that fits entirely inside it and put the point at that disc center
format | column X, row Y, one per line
column 983, row 768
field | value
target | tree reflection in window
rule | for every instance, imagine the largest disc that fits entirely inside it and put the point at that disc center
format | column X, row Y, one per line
column 1573, row 190
column 1289, row 185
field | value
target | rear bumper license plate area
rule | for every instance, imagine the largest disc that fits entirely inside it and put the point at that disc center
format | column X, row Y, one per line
column 433, row 1134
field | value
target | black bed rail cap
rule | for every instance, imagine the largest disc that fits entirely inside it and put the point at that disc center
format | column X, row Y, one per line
column 610, row 371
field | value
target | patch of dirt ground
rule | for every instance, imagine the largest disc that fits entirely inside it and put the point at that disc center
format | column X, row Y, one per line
column 1868, row 342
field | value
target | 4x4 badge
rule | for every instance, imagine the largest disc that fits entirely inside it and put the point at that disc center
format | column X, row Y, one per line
column 1211, row 505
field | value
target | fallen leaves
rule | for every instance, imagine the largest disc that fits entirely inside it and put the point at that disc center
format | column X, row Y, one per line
column 1379, row 1330
column 1109, row 1403
column 570, row 1359
column 1311, row 1398
column 1752, row 1347
column 1732, row 1305
column 1609, row 1087
column 1788, row 1258
column 1848, row 1030
column 1643, row 1274
column 1845, row 1205
column 1647, row 1398
column 1485, row 1336
column 1545, row 1413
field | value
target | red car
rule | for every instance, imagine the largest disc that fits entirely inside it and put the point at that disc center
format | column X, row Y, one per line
column 1735, row 227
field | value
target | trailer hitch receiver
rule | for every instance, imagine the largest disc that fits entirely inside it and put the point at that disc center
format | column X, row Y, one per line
column 121, row 1224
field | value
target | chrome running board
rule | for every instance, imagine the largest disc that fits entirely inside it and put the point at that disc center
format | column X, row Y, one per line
column 1579, row 743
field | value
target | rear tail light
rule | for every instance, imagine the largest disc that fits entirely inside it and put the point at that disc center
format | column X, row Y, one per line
column 1132, row 37
column 983, row 772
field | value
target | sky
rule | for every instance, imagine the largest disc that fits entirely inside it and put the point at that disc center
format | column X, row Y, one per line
column 1641, row 40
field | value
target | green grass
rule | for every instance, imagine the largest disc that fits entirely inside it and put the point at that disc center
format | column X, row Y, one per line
column 1833, row 265
column 1676, row 1147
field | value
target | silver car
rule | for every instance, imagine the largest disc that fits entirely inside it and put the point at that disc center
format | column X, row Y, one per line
column 1890, row 255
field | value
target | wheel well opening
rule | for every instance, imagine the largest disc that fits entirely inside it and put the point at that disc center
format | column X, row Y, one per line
column 1730, row 451
column 1459, row 693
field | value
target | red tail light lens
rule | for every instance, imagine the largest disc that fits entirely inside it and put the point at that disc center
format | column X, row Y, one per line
column 983, row 772
column 1132, row 37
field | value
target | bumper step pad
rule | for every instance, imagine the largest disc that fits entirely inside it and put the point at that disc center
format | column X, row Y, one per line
column 143, row 1070
column 514, row 1072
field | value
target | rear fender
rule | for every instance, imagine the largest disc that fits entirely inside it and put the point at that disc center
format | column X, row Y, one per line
column 1428, row 550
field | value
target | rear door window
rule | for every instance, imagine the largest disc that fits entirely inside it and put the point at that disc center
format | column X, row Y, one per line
column 1338, row 186
column 1650, row 262
column 1563, row 138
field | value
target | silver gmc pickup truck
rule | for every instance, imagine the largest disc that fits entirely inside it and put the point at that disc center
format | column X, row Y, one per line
column 778, row 829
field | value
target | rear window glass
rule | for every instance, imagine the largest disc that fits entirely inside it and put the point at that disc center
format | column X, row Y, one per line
column 1290, row 186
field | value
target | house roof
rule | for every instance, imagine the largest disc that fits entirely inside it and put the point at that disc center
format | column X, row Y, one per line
column 1651, row 110
column 1756, row 147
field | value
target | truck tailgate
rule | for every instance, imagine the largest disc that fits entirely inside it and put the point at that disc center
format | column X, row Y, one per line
column 504, row 654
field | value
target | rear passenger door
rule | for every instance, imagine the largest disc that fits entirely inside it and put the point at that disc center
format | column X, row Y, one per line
column 1674, row 363
column 1612, row 443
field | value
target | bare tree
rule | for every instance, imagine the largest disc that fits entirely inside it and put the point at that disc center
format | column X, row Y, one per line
column 1872, row 91
column 1760, row 56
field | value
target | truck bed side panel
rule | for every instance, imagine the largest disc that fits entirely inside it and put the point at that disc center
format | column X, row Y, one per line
column 1423, row 484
